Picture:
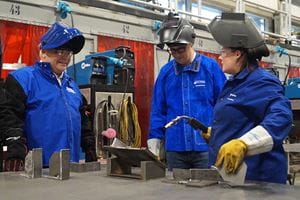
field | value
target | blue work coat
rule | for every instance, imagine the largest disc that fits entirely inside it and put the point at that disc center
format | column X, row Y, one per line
column 52, row 117
column 185, row 90
column 249, row 99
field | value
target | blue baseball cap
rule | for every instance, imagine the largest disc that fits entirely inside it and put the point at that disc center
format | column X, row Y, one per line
column 60, row 36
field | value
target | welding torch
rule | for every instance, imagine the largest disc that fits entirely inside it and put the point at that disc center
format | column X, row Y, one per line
column 190, row 120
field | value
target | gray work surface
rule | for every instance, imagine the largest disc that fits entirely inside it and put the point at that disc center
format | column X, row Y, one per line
column 98, row 186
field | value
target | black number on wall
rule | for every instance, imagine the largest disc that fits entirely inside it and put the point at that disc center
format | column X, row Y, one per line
column 15, row 9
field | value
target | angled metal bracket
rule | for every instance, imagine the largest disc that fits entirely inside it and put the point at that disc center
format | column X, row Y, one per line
column 59, row 165
column 34, row 163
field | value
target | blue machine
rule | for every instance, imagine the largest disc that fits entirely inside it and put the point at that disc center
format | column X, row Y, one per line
column 292, row 89
column 113, row 67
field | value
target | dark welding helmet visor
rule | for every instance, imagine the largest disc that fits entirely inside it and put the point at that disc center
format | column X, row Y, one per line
column 175, row 31
column 236, row 30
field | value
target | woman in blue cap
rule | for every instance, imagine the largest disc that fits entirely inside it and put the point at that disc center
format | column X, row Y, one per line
column 252, row 116
column 42, row 107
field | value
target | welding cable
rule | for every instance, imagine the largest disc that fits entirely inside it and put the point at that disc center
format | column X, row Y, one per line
column 288, row 70
column 105, row 116
column 129, row 128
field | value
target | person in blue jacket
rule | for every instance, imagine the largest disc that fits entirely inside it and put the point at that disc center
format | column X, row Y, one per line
column 189, row 86
column 252, row 116
column 42, row 107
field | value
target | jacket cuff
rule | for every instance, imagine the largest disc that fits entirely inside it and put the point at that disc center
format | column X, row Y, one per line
column 258, row 140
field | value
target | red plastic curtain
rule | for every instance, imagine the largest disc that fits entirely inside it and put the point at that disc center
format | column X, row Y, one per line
column 20, row 39
column 294, row 72
column 144, row 75
column 212, row 55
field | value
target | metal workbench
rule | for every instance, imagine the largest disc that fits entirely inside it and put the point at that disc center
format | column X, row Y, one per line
column 98, row 186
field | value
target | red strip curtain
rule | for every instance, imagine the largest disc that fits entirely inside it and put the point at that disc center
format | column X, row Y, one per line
column 19, row 39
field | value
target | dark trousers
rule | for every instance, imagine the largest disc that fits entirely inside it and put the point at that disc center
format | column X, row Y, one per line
column 187, row 159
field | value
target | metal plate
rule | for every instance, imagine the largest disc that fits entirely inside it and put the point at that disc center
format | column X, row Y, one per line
column 133, row 156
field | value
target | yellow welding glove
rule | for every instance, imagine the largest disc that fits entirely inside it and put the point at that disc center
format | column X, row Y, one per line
column 206, row 135
column 231, row 155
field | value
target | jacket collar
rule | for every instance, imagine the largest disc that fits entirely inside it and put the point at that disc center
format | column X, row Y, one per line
column 47, row 71
column 194, row 66
column 244, row 73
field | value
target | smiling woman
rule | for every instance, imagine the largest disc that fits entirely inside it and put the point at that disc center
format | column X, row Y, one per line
column 233, row 60
column 37, row 98
column 260, row 114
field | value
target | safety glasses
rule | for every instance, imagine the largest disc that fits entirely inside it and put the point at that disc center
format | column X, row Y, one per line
column 178, row 49
column 61, row 52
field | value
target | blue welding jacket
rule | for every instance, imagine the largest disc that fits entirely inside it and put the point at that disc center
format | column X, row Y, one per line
column 249, row 99
column 52, row 118
column 185, row 90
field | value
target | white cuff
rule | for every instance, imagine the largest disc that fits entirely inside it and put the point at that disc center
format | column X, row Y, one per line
column 154, row 145
column 258, row 140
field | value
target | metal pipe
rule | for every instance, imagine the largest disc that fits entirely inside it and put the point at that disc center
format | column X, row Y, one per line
column 274, row 34
column 169, row 9
column 265, row 7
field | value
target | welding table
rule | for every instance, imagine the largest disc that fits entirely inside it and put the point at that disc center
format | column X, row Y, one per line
column 98, row 186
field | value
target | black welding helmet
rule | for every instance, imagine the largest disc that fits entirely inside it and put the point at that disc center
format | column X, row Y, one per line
column 175, row 30
column 236, row 30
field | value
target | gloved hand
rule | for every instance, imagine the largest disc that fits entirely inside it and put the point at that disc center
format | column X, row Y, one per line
column 13, row 165
column 154, row 145
column 90, row 156
column 206, row 135
column 16, row 153
column 231, row 155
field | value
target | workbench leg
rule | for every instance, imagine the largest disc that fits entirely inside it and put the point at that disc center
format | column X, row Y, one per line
column 116, row 166
column 150, row 170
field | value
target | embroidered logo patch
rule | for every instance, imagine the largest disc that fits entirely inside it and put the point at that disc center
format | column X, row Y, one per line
column 199, row 83
column 70, row 90
column 231, row 97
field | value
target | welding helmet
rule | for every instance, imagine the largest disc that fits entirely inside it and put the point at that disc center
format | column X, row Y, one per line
column 175, row 30
column 60, row 36
column 236, row 30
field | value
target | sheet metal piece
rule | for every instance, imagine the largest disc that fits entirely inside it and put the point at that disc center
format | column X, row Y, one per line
column 197, row 174
column 207, row 177
column 133, row 156
column 181, row 174
column 194, row 177
column 59, row 165
column 205, row 174
column 34, row 163
column 85, row 167
column 234, row 179
column 201, row 183
column 128, row 158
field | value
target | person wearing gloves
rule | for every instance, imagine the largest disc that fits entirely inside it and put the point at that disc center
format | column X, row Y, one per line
column 188, row 85
column 252, row 116
column 42, row 107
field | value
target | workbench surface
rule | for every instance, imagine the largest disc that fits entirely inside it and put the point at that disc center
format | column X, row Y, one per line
column 99, row 186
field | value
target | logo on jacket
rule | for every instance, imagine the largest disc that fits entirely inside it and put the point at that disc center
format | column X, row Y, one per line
column 70, row 90
column 199, row 83
column 231, row 97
